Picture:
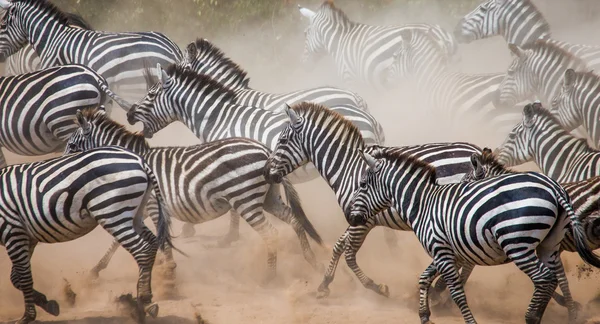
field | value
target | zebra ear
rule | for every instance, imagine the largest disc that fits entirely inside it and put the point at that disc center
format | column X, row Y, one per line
column 5, row 4
column 83, row 123
column 292, row 115
column 476, row 164
column 371, row 161
column 163, row 77
column 102, row 109
column 306, row 12
column 569, row 79
column 519, row 52
column 529, row 117
column 192, row 51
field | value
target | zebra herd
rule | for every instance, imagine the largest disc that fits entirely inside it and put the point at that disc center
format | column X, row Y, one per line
column 462, row 202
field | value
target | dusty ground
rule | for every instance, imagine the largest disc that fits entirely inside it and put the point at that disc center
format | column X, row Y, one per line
column 223, row 285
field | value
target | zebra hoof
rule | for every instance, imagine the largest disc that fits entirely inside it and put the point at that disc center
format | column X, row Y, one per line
column 384, row 290
column 323, row 293
column 52, row 308
column 152, row 310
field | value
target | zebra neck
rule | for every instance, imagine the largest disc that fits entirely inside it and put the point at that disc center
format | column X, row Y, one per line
column 409, row 192
column 45, row 37
column 526, row 27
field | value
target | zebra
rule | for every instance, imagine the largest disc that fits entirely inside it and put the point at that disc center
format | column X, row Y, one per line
column 576, row 103
column 203, row 182
column 64, row 198
column 204, row 57
column 26, row 60
column 465, row 224
column 458, row 95
column 118, row 57
column 520, row 23
column 361, row 52
column 585, row 198
column 541, row 138
column 37, row 108
column 325, row 138
column 209, row 110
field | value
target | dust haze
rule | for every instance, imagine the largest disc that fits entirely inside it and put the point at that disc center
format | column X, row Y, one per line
column 223, row 284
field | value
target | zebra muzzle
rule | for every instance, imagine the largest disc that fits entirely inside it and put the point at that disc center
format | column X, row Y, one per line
column 356, row 219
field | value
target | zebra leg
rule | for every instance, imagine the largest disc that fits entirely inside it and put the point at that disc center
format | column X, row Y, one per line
column 544, row 282
column 103, row 263
column 554, row 262
column 275, row 206
column 338, row 248
column 258, row 221
column 355, row 239
column 440, row 285
column 232, row 235
column 153, row 212
column 425, row 282
column 448, row 269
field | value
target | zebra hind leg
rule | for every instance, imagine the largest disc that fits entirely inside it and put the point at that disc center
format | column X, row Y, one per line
column 425, row 282
column 449, row 272
column 355, row 239
column 103, row 263
column 440, row 285
column 275, row 206
column 257, row 220
column 553, row 261
column 232, row 235
column 338, row 249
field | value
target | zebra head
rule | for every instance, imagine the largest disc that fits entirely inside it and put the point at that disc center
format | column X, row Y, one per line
column 82, row 138
column 517, row 148
column 484, row 165
column 565, row 106
column 371, row 196
column 518, row 83
column 314, row 43
column 289, row 153
column 484, row 21
column 153, row 110
column 478, row 170
column 13, row 35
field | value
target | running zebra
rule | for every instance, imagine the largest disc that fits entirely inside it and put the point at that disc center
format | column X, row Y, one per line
column 537, row 70
column 325, row 138
column 37, row 109
column 203, row 182
column 64, row 198
column 576, row 103
column 209, row 110
column 520, row 23
column 541, row 138
column 465, row 224
column 361, row 52
column 118, row 57
column 457, row 95
column 26, row 60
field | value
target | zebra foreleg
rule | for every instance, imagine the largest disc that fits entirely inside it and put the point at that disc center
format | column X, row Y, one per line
column 355, row 239
column 338, row 248
column 440, row 285
column 425, row 282
column 103, row 263
column 232, row 235
column 449, row 272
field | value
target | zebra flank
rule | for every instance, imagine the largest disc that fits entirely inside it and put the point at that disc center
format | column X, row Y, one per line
column 467, row 224
column 67, row 197
column 540, row 138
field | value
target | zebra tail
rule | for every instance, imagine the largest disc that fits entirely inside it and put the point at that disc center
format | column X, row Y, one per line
column 163, row 225
column 581, row 242
column 298, row 212
column 116, row 98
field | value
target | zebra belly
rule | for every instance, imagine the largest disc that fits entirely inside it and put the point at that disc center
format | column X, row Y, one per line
column 63, row 231
column 32, row 143
column 196, row 212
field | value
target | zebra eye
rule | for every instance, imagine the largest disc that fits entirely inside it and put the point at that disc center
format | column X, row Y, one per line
column 363, row 184
column 283, row 140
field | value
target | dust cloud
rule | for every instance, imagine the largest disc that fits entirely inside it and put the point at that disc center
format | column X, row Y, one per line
column 223, row 285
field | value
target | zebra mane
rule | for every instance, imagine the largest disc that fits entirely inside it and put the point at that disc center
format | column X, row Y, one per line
column 587, row 76
column 488, row 158
column 49, row 8
column 546, row 45
column 314, row 112
column 75, row 20
column 209, row 49
column 538, row 14
column 94, row 115
column 206, row 82
column 337, row 14
column 397, row 157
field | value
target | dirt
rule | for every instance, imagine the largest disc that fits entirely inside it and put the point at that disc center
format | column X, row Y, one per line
column 223, row 285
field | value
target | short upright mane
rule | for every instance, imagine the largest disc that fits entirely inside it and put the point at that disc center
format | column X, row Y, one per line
column 314, row 111
column 203, row 81
column 206, row 48
column 488, row 158
column 402, row 157
column 48, row 7
column 588, row 75
column 92, row 114
column 337, row 14
column 548, row 46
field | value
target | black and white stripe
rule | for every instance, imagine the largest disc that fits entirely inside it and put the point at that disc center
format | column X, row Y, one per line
column 64, row 198
column 203, row 182
column 118, row 57
column 541, row 138
column 26, row 59
column 361, row 52
column 37, row 109
column 323, row 137
column 209, row 109
column 519, row 218
column 454, row 95
column 520, row 23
